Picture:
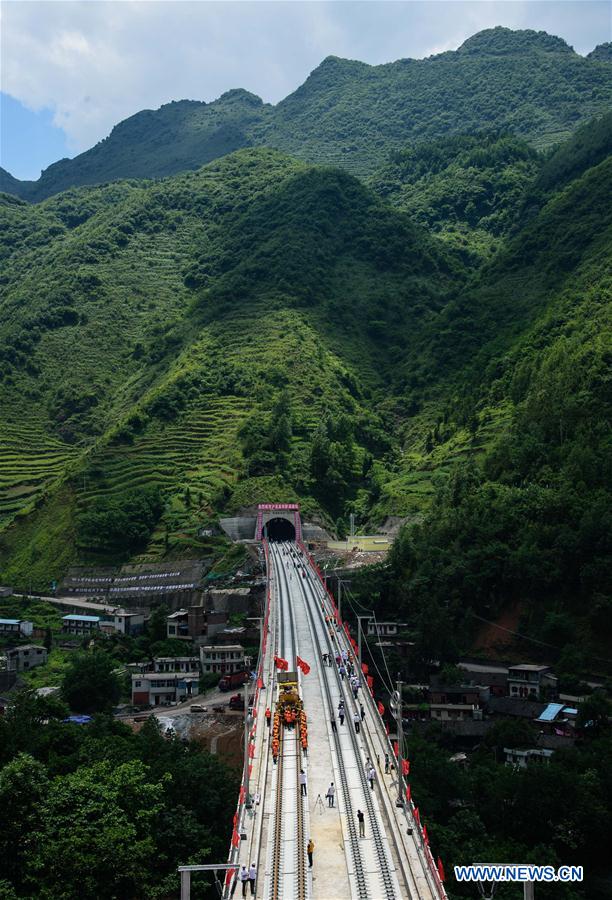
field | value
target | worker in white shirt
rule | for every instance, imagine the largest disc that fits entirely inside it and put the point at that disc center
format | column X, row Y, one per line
column 252, row 878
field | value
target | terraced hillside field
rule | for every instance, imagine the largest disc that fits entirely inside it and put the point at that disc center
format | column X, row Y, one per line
column 32, row 463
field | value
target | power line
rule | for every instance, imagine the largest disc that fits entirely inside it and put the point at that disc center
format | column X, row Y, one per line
column 533, row 640
column 388, row 686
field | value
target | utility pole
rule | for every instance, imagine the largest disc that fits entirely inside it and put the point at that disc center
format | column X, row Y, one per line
column 400, row 745
column 528, row 890
column 359, row 618
column 247, row 719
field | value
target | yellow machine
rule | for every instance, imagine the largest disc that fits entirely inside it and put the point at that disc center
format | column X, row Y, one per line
column 289, row 711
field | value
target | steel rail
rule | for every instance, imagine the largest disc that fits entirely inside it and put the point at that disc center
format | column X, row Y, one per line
column 362, row 882
column 288, row 647
column 405, row 861
column 385, row 866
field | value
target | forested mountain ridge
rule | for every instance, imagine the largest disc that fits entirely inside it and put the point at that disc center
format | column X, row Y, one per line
column 265, row 329
column 159, row 331
column 353, row 115
column 505, row 472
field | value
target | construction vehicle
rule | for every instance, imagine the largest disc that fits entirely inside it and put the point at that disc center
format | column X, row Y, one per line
column 234, row 680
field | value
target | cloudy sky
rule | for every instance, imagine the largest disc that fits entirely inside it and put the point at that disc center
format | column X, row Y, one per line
column 71, row 70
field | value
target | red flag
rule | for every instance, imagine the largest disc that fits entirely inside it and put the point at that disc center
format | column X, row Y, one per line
column 281, row 663
column 441, row 870
column 228, row 876
column 235, row 839
column 259, row 683
column 417, row 814
column 405, row 767
column 302, row 665
column 387, row 727
column 425, row 835
column 250, row 770
column 396, row 749
column 370, row 681
column 408, row 793
column 242, row 793
column 381, row 708
column 365, row 668
column 251, row 751
column 235, row 819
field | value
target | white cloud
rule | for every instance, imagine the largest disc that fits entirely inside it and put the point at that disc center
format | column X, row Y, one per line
column 95, row 63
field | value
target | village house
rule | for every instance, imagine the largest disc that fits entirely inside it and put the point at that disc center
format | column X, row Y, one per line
column 164, row 688
column 195, row 624
column 530, row 682
column 385, row 629
column 224, row 659
column 26, row 656
column 80, row 625
column 16, row 628
column 176, row 664
column 520, row 759
column 490, row 674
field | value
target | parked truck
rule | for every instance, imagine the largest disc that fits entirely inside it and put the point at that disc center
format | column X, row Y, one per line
column 237, row 701
column 235, row 679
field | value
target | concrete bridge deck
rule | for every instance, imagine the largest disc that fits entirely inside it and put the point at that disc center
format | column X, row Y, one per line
column 388, row 862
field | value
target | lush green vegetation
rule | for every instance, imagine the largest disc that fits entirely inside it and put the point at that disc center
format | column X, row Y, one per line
column 468, row 188
column 213, row 337
column 552, row 814
column 90, row 683
column 433, row 345
column 75, row 798
column 352, row 115
column 505, row 476
column 309, row 342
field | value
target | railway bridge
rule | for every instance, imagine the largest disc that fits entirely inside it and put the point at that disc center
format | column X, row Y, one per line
column 284, row 800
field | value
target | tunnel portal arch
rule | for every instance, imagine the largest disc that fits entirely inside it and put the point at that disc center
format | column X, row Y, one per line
column 279, row 529
column 286, row 518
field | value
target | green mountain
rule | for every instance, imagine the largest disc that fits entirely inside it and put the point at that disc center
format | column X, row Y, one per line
column 353, row 115
column 177, row 137
column 505, row 470
column 466, row 188
column 171, row 339
column 266, row 329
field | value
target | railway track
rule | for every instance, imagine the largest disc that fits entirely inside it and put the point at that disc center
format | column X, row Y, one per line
column 411, row 884
column 288, row 838
column 323, row 644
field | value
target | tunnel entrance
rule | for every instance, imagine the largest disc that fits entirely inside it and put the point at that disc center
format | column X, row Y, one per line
column 278, row 522
column 278, row 529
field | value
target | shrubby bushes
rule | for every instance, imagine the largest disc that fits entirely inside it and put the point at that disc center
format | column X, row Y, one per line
column 120, row 524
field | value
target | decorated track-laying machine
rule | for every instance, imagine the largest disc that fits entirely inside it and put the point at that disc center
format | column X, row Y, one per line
column 289, row 712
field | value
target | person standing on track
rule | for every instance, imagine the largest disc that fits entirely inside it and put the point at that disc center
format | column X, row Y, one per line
column 386, row 763
column 303, row 783
column 371, row 777
column 357, row 722
column 361, row 820
column 244, row 879
column 252, row 878
column 362, row 711
column 268, row 716
column 309, row 851
column 331, row 792
column 333, row 723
